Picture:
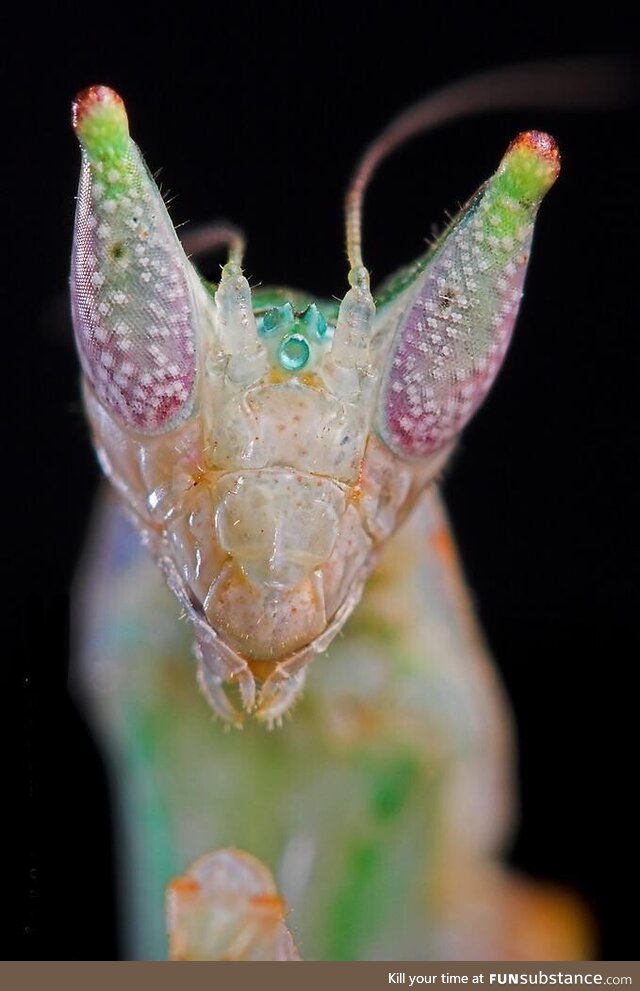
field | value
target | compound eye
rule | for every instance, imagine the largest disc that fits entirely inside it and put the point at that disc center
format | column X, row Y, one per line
column 132, row 288
column 457, row 316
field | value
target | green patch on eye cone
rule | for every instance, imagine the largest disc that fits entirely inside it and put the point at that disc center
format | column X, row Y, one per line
column 104, row 135
column 401, row 279
column 508, row 200
column 528, row 170
column 530, row 167
column 100, row 122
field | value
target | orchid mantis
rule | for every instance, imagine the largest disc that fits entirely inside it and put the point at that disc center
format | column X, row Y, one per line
column 267, row 446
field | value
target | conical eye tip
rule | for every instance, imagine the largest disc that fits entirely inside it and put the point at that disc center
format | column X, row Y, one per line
column 542, row 146
column 533, row 162
column 99, row 119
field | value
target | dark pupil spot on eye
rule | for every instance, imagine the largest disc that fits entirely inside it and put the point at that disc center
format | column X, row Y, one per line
column 447, row 297
column 117, row 250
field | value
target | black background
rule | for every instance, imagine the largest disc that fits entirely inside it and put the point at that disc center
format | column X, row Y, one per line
column 258, row 113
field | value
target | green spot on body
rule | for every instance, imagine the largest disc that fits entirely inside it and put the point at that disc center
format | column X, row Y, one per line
column 370, row 882
column 372, row 625
column 391, row 786
column 356, row 907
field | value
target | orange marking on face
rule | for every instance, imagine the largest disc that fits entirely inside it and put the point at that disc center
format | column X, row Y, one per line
column 444, row 546
column 185, row 886
column 260, row 669
column 271, row 902
column 312, row 380
column 276, row 376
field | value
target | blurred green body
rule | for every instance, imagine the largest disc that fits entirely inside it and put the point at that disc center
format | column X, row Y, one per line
column 371, row 805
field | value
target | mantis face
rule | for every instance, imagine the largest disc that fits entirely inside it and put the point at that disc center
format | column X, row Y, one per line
column 267, row 445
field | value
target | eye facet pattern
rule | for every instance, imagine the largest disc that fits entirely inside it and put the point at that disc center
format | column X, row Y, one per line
column 132, row 304
column 460, row 310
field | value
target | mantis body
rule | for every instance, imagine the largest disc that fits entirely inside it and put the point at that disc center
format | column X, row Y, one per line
column 267, row 446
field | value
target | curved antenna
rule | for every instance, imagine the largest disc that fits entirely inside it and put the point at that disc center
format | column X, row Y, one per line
column 566, row 84
column 210, row 237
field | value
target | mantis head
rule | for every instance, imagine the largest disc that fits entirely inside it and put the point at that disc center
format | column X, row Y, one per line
column 267, row 444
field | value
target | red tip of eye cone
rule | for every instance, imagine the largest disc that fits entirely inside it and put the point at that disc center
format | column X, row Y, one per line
column 92, row 99
column 539, row 144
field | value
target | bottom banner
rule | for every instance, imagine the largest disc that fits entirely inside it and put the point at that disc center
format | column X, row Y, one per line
column 373, row 976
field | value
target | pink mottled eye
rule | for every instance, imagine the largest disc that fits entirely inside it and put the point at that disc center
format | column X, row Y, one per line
column 456, row 322
column 132, row 303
